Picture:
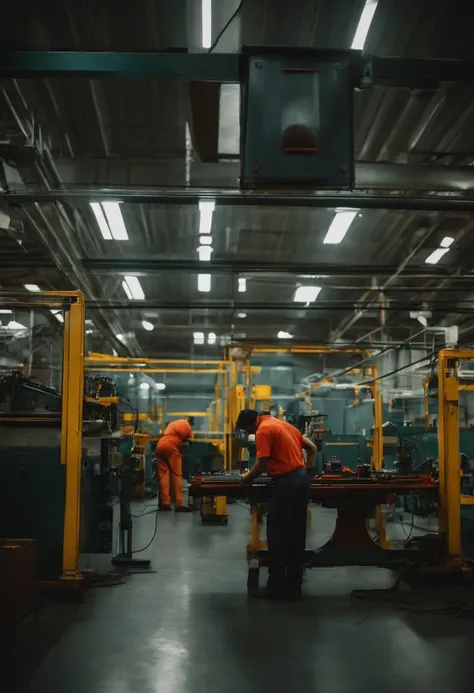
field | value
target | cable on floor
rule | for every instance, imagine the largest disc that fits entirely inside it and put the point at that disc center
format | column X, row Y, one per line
column 153, row 537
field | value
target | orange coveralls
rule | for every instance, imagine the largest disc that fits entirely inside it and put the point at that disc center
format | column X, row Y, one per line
column 169, row 459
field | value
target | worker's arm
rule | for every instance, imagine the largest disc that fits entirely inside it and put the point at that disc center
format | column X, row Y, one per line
column 311, row 452
column 263, row 441
column 259, row 468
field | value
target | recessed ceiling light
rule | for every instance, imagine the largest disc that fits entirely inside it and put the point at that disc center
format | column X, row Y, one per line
column 148, row 326
column 242, row 315
column 160, row 386
column 242, row 285
column 447, row 241
column 34, row 288
column 144, row 386
column 284, row 335
column 211, row 338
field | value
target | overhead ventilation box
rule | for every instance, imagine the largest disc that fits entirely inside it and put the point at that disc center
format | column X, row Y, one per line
column 297, row 122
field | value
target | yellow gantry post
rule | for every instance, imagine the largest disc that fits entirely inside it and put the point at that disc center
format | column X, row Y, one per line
column 71, row 430
column 448, row 452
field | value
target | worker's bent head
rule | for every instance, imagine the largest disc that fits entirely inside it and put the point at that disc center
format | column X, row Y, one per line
column 247, row 420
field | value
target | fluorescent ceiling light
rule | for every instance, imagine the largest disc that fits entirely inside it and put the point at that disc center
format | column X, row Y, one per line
column 99, row 215
column 446, row 242
column 204, row 283
column 340, row 225
column 34, row 288
column 133, row 288
column 205, row 240
column 306, row 294
column 111, row 225
column 144, row 386
column 242, row 285
column 242, row 315
column 204, row 252
column 211, row 338
column 198, row 337
column 206, row 23
column 15, row 326
column 284, row 335
column 160, row 386
column 206, row 210
column 148, row 326
column 5, row 311
column 436, row 256
column 115, row 221
column 363, row 27
column 58, row 315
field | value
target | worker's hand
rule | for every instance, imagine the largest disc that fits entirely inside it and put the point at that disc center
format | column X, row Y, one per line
column 244, row 479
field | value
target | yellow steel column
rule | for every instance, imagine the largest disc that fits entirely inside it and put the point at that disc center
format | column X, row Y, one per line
column 378, row 421
column 448, row 452
column 71, row 433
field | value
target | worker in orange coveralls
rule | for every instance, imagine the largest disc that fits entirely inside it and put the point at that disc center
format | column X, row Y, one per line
column 169, row 460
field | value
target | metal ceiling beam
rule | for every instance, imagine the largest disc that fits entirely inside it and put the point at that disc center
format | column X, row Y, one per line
column 143, row 174
column 228, row 67
column 190, row 67
column 150, row 265
column 407, row 203
column 459, row 306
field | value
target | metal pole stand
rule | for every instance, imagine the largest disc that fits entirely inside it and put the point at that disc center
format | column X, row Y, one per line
column 125, row 557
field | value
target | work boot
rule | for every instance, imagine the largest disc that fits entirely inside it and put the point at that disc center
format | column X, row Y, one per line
column 182, row 509
column 164, row 508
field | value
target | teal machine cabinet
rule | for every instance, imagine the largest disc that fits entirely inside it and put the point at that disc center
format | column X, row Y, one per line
column 33, row 480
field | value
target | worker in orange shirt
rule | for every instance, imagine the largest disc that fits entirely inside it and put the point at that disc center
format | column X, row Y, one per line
column 280, row 454
column 170, row 463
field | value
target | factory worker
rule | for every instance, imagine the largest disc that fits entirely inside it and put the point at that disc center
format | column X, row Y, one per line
column 280, row 454
column 170, row 464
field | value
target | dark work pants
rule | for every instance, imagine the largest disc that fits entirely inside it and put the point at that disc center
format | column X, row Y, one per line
column 286, row 529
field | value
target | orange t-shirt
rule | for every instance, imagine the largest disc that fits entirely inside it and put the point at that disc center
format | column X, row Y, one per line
column 175, row 433
column 282, row 443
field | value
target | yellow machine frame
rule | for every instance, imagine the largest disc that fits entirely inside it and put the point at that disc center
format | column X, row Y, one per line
column 72, row 391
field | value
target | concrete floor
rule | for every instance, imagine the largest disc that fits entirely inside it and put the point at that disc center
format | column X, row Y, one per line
column 190, row 628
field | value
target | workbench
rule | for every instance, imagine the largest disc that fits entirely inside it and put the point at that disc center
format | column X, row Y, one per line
column 355, row 500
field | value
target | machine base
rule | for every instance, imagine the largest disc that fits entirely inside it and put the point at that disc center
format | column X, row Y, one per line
column 123, row 559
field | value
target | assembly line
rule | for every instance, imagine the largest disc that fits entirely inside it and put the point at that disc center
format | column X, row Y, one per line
column 236, row 346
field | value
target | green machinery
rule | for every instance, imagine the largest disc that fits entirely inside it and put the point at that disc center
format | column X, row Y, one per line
column 33, row 480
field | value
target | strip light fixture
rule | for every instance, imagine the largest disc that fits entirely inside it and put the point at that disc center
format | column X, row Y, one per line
column 204, row 283
column 34, row 288
column 366, row 17
column 284, row 335
column 110, row 220
column 198, row 338
column 133, row 288
column 340, row 225
column 242, row 286
column 306, row 294
column 206, row 23
column 437, row 254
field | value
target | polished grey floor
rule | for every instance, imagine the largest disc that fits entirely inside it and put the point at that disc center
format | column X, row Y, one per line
column 189, row 628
